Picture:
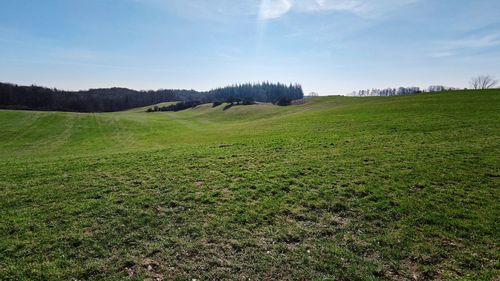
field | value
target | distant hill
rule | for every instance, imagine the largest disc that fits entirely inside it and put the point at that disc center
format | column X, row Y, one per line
column 116, row 99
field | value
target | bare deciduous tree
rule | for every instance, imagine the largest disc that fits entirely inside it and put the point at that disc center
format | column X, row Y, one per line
column 483, row 82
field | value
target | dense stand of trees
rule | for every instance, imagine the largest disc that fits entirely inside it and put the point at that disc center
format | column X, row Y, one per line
column 262, row 92
column 242, row 94
column 115, row 99
column 94, row 100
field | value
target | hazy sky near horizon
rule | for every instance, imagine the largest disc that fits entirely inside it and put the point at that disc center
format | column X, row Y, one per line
column 328, row 46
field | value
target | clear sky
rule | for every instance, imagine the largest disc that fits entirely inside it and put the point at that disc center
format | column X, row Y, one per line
column 328, row 46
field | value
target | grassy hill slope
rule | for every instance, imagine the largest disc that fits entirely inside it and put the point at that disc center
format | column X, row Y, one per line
column 336, row 188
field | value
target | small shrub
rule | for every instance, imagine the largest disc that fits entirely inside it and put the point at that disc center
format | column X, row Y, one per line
column 248, row 101
column 180, row 106
column 284, row 101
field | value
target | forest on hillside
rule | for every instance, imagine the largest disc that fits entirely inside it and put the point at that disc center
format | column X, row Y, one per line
column 115, row 99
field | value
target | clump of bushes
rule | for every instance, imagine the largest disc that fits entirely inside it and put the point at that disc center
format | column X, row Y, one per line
column 248, row 101
column 175, row 107
column 283, row 101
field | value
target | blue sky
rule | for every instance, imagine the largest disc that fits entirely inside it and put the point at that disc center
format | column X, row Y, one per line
column 329, row 46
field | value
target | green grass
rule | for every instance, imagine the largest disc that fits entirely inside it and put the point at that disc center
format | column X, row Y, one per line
column 337, row 188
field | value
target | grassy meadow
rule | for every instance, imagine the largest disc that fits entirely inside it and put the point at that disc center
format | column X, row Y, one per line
column 336, row 188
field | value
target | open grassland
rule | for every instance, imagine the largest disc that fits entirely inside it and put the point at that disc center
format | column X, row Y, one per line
column 337, row 188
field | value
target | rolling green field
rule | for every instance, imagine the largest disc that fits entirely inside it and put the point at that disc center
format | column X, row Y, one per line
column 337, row 188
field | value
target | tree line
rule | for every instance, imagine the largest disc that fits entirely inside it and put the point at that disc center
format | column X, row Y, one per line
column 115, row 99
column 388, row 92
column 481, row 82
column 93, row 100
column 401, row 91
column 261, row 92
